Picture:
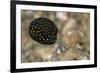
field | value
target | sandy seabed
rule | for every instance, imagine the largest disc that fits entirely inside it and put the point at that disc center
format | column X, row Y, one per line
column 73, row 37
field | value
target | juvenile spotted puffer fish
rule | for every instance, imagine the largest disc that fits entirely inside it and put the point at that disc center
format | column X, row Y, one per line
column 43, row 30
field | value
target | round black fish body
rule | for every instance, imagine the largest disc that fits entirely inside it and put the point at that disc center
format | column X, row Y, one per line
column 43, row 30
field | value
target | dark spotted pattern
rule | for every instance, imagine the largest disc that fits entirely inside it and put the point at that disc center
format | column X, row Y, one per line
column 43, row 30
